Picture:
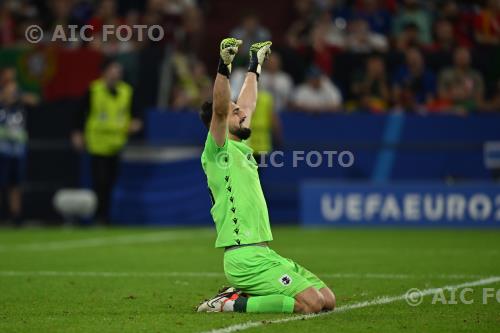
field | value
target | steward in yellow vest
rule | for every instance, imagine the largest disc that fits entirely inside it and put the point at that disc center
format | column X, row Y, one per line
column 104, row 124
column 108, row 121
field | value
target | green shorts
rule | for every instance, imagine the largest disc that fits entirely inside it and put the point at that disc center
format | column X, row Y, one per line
column 259, row 271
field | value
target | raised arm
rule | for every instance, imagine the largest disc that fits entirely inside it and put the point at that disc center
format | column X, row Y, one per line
column 247, row 99
column 221, row 104
column 222, row 90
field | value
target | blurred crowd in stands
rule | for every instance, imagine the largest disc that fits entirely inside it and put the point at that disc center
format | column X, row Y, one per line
column 371, row 56
column 332, row 55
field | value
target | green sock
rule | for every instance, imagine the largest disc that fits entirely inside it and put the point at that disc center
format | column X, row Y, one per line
column 265, row 304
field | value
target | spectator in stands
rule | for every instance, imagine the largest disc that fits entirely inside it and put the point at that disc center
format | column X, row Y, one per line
column 377, row 16
column 462, row 21
column 297, row 53
column 177, row 7
column 106, row 13
column 193, row 84
column 15, row 17
column 317, row 94
column 413, row 12
column 7, row 25
column 408, row 38
column 487, row 24
column 440, row 52
column 325, row 42
column 61, row 15
column 461, row 85
column 413, row 84
column 104, row 123
column 277, row 82
column 370, row 88
column 249, row 31
column 9, row 75
column 182, row 21
column 334, row 33
column 300, row 29
column 361, row 40
column 13, row 143
column 494, row 104
column 190, row 36
column 153, row 16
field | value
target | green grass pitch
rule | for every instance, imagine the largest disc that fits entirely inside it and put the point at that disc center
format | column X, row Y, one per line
column 150, row 280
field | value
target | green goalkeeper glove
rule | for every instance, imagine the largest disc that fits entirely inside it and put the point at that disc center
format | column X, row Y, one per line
column 258, row 53
column 228, row 50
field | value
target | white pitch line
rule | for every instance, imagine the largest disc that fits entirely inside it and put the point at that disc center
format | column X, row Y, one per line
column 377, row 301
column 100, row 241
column 400, row 276
column 407, row 251
column 220, row 274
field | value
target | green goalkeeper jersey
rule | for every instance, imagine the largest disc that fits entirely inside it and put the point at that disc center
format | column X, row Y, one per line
column 239, row 209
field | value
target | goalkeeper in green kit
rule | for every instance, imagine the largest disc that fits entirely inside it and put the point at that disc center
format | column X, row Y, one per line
column 262, row 281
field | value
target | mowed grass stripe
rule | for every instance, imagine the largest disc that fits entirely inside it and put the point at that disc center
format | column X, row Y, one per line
column 155, row 237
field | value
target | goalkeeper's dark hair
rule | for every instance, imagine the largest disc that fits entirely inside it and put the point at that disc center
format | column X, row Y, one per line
column 206, row 113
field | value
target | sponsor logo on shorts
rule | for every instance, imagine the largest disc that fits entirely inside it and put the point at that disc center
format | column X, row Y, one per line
column 285, row 280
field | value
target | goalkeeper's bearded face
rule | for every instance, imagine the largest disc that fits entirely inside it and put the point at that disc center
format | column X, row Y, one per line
column 236, row 122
